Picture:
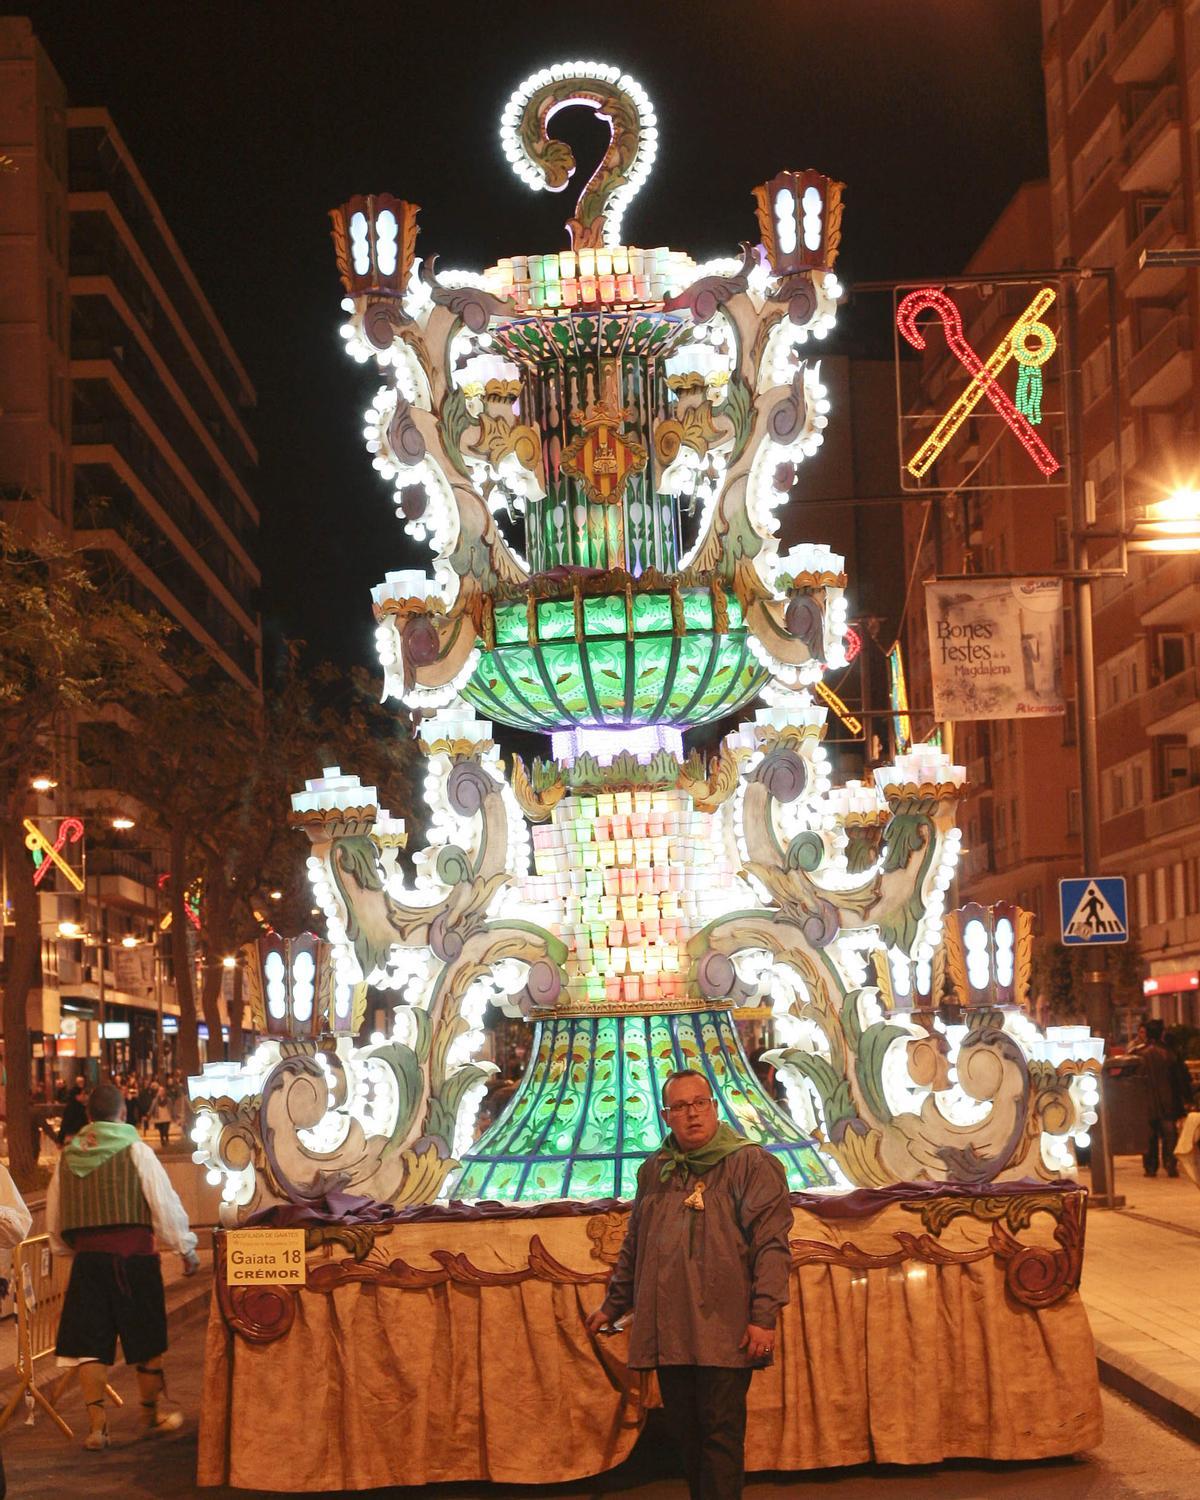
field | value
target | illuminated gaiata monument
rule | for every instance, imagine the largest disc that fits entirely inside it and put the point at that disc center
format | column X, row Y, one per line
column 645, row 417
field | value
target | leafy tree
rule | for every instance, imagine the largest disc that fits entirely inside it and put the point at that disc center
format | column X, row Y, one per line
column 69, row 646
column 215, row 768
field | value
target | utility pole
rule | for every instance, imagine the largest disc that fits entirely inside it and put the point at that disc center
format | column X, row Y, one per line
column 1097, row 997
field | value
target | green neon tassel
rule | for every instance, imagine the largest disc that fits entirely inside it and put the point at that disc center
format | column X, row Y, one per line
column 1029, row 393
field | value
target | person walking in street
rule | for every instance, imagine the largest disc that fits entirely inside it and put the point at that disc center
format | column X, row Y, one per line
column 705, row 1269
column 160, row 1114
column 1166, row 1098
column 15, row 1223
column 111, row 1206
column 74, row 1116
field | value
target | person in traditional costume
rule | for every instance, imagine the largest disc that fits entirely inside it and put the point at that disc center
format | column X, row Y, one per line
column 111, row 1206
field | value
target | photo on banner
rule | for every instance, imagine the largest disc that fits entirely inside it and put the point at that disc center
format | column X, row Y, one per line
column 995, row 647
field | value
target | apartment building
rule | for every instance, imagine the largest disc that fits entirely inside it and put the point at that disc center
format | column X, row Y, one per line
column 123, row 428
column 1021, row 821
column 1123, row 115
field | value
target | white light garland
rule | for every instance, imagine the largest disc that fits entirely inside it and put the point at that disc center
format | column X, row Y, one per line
column 532, row 174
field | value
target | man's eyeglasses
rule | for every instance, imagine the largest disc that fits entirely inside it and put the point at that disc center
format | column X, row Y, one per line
column 696, row 1106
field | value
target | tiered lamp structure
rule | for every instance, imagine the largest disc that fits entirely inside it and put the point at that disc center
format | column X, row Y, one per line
column 595, row 442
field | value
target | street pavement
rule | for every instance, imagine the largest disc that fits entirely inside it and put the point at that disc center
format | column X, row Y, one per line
column 1140, row 1459
column 1141, row 1288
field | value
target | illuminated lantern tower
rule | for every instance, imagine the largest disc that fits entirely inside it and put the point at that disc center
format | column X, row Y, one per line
column 595, row 442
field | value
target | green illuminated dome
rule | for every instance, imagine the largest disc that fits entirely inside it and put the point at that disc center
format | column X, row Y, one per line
column 655, row 653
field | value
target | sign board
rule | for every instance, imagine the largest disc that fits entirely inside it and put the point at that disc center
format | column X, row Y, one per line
column 995, row 647
column 133, row 970
column 1093, row 910
column 1172, row 984
column 259, row 1257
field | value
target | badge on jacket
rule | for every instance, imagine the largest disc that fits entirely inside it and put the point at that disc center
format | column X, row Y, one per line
column 695, row 1199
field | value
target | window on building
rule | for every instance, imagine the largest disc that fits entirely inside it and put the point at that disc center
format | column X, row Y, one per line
column 1088, row 56
column 1118, row 796
column 1160, row 895
column 1138, row 784
column 1096, row 384
column 1093, row 161
column 1174, row 767
column 1179, row 889
column 1170, row 654
column 1074, row 811
column 1146, row 210
column 1062, row 539
column 1142, row 890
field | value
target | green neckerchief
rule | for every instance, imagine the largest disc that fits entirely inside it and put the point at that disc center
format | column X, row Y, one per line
column 724, row 1142
column 99, row 1141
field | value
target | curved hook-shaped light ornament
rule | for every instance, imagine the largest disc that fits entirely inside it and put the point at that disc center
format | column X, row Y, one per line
column 542, row 162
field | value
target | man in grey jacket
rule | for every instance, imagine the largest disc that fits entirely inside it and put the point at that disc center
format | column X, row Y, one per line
column 705, row 1268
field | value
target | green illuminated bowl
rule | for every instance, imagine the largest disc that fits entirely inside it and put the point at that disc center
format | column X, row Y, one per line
column 626, row 667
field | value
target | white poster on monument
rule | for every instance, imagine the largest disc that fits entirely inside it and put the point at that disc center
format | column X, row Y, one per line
column 995, row 648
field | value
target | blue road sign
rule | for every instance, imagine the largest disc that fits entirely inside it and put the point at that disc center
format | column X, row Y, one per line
column 1093, row 909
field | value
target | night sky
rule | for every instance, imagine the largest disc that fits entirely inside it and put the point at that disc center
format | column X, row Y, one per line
column 250, row 120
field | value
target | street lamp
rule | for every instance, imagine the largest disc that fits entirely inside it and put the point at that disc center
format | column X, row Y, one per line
column 43, row 784
column 123, row 823
column 1171, row 525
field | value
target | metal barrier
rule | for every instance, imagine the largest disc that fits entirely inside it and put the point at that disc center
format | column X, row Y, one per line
column 41, row 1284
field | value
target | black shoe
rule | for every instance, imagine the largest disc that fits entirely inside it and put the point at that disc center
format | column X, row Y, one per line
column 1149, row 1174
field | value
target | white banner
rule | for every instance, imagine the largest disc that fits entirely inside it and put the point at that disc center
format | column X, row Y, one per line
column 995, row 648
column 133, row 970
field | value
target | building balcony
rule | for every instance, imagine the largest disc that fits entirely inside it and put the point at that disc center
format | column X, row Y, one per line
column 1173, row 814
column 1171, row 594
column 1144, row 43
column 1161, row 373
column 1126, row 831
column 1149, row 159
column 1165, row 231
column 1173, row 707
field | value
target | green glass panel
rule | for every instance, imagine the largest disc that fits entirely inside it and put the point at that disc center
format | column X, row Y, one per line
column 511, row 624
column 604, row 616
column 652, row 612
column 545, row 1180
column 694, row 653
column 519, row 663
column 607, row 662
column 591, row 1179
column 556, row 620
column 565, row 671
column 697, row 609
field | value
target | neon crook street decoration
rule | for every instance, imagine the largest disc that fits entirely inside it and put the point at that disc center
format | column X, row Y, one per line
column 1028, row 341
column 70, row 830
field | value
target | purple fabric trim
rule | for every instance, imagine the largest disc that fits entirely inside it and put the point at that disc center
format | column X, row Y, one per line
column 334, row 1208
column 860, row 1203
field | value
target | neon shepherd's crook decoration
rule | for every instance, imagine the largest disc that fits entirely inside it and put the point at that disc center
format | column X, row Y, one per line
column 70, row 830
column 983, row 383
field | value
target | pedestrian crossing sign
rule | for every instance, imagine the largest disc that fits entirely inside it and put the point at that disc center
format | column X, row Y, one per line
column 1093, row 909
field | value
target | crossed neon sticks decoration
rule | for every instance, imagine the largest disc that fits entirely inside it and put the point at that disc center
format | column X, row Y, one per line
column 1028, row 341
column 45, row 853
